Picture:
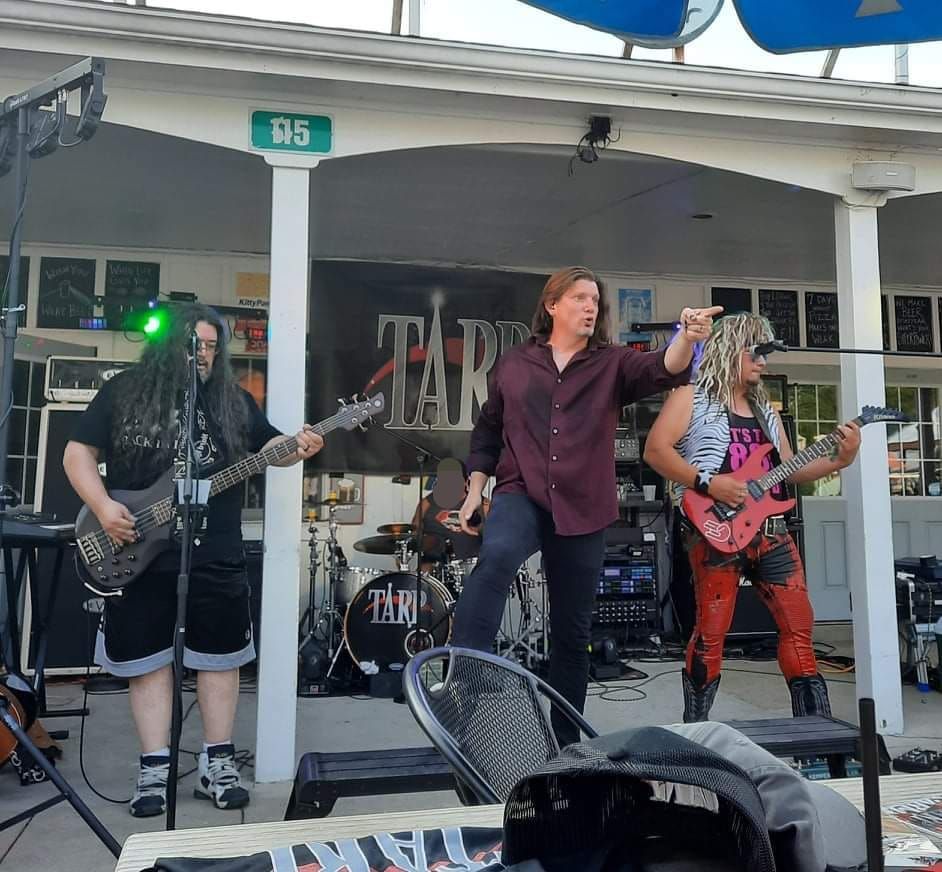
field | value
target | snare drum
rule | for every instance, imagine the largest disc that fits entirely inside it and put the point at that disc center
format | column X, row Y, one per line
column 349, row 580
column 388, row 621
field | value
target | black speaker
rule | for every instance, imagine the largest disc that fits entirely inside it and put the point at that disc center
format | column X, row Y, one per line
column 70, row 626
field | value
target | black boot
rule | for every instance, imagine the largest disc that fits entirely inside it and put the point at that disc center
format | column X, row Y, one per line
column 809, row 696
column 697, row 703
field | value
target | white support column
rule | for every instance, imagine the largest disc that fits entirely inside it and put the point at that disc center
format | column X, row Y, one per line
column 865, row 483
column 288, row 306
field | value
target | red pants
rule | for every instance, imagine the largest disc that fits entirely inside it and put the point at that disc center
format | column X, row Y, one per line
column 716, row 584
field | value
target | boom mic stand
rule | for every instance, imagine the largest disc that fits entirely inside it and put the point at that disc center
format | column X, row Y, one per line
column 422, row 456
column 192, row 497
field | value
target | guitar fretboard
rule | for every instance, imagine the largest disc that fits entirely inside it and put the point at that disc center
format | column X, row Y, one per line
column 162, row 512
column 815, row 451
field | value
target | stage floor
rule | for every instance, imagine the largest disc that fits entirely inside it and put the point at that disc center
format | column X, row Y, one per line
column 58, row 840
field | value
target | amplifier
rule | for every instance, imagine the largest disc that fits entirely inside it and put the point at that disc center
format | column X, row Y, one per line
column 77, row 379
column 918, row 601
column 627, row 446
column 627, row 594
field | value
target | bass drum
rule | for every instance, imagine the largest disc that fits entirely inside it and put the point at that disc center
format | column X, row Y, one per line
column 387, row 623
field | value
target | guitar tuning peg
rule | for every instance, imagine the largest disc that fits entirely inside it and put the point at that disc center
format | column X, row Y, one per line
column 342, row 401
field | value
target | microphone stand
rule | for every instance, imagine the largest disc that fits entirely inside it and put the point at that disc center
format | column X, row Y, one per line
column 422, row 456
column 192, row 496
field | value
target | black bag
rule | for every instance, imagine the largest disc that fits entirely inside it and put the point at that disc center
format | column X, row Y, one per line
column 639, row 799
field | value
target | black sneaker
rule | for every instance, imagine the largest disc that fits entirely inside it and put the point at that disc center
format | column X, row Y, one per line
column 150, row 795
column 219, row 779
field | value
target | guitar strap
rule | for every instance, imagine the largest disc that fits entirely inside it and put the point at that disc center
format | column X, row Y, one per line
column 760, row 417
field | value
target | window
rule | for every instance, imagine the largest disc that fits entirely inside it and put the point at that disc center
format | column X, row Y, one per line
column 815, row 410
column 914, row 447
column 23, row 446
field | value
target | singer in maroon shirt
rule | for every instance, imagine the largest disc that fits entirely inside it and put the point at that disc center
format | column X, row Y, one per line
column 547, row 434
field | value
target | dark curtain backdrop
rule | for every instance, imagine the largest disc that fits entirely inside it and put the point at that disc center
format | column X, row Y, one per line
column 424, row 336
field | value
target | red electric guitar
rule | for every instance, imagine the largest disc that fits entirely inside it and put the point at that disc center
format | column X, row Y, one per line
column 731, row 528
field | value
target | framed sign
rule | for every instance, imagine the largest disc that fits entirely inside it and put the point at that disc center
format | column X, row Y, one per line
column 66, row 292
column 634, row 305
column 822, row 326
column 913, row 323
column 781, row 308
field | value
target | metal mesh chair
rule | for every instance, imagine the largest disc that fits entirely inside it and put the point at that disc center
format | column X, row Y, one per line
column 488, row 717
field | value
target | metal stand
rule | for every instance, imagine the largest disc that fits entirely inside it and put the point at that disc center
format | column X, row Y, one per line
column 527, row 643
column 192, row 498
column 65, row 790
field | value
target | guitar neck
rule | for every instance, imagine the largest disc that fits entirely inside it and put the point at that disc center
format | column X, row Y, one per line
column 257, row 463
column 815, row 451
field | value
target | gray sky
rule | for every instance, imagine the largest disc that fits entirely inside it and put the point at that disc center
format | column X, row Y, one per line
column 512, row 23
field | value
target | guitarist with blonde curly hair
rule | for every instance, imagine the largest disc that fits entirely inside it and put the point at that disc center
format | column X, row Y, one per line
column 706, row 432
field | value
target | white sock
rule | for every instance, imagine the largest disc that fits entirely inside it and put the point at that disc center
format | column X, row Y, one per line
column 160, row 752
column 207, row 745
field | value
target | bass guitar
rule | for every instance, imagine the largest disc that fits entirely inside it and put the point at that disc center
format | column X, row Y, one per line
column 106, row 566
column 731, row 528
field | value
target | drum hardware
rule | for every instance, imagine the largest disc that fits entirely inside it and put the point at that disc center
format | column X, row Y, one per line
column 527, row 640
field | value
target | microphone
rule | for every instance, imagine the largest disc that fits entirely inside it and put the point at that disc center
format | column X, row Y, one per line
column 766, row 348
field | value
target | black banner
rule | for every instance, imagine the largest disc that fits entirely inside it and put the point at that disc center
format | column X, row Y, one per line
column 426, row 337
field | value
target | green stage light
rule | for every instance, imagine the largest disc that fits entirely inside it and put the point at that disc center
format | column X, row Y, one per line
column 153, row 323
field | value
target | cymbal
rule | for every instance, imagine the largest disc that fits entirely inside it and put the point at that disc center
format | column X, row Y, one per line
column 390, row 544
column 400, row 529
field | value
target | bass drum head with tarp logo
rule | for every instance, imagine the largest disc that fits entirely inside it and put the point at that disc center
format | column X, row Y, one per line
column 396, row 615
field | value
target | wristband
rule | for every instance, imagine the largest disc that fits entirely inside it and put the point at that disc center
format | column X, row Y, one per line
column 702, row 483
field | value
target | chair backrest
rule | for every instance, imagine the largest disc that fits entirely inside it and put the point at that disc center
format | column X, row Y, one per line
column 489, row 717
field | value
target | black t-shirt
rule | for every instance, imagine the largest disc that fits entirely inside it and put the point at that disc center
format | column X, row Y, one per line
column 142, row 464
column 745, row 436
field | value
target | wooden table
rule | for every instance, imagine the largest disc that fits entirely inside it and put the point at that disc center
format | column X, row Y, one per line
column 142, row 849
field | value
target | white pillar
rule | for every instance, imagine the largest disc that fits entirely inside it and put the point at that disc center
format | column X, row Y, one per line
column 288, row 305
column 865, row 484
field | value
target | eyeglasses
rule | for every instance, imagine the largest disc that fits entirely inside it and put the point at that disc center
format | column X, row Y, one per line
column 204, row 345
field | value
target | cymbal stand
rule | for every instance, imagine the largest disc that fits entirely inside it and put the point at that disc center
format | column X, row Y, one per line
column 332, row 569
column 523, row 642
column 313, row 564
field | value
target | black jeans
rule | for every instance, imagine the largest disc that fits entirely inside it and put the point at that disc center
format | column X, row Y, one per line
column 516, row 528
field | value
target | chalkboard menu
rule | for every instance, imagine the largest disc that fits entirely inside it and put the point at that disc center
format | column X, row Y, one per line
column 821, row 323
column 885, row 318
column 733, row 300
column 24, row 284
column 781, row 308
column 129, row 286
column 66, row 292
column 913, row 323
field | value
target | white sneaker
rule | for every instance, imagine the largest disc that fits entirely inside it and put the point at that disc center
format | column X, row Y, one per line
column 219, row 779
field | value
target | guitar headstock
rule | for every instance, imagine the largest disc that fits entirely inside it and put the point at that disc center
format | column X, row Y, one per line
column 359, row 411
column 878, row 414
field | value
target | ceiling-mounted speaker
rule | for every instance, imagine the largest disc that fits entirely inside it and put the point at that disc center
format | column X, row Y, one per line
column 883, row 175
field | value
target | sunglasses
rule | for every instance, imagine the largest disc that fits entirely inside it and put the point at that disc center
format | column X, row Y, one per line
column 756, row 356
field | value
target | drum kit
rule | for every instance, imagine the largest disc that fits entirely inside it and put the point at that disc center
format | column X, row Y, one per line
column 381, row 619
